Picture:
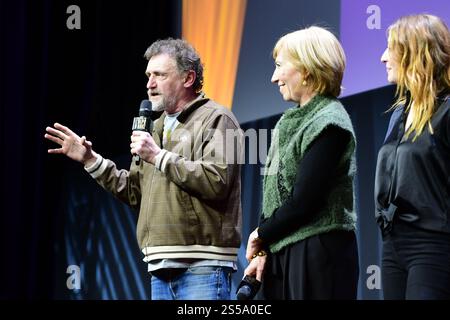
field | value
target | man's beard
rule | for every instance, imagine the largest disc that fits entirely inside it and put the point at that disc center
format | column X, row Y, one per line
column 163, row 104
column 158, row 106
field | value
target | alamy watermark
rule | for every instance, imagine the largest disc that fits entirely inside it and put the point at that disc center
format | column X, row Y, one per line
column 73, row 282
column 374, row 19
column 373, row 281
column 73, row 21
column 226, row 146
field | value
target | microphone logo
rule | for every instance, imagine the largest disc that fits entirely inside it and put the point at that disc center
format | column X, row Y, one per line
column 143, row 122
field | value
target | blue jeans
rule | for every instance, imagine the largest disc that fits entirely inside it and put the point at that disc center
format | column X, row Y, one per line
column 197, row 283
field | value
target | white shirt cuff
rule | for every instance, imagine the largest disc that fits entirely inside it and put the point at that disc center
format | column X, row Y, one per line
column 161, row 159
column 96, row 169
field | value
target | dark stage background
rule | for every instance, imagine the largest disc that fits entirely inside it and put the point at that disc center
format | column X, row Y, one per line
column 90, row 79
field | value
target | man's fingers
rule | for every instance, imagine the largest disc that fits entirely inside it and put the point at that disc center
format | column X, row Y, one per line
column 133, row 148
column 139, row 133
column 65, row 129
column 55, row 151
column 70, row 132
column 60, row 127
column 54, row 139
column 85, row 142
column 57, row 133
column 138, row 137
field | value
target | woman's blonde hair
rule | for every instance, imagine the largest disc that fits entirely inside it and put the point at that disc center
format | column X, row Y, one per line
column 317, row 53
column 421, row 46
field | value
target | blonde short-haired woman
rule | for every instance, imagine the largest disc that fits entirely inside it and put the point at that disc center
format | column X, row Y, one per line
column 305, row 245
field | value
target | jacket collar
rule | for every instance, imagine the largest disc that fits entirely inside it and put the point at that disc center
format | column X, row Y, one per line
column 190, row 107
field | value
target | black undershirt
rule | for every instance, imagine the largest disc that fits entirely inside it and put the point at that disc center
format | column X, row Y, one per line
column 312, row 182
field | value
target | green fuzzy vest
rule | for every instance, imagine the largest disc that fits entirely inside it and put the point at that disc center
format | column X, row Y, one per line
column 293, row 134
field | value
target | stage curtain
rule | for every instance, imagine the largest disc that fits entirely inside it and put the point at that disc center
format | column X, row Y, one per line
column 214, row 28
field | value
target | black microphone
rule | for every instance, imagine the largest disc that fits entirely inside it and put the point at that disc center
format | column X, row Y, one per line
column 248, row 288
column 143, row 122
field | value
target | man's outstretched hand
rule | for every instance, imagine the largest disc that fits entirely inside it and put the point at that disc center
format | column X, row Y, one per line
column 73, row 146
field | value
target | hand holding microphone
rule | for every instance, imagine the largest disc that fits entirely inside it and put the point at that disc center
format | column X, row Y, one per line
column 142, row 144
column 248, row 288
column 253, row 274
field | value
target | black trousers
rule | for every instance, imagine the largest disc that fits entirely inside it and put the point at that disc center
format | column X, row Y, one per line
column 324, row 266
column 415, row 263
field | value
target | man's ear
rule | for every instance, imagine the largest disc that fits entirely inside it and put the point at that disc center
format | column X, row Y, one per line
column 190, row 79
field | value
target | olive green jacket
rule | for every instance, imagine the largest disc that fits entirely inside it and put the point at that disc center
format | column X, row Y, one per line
column 189, row 202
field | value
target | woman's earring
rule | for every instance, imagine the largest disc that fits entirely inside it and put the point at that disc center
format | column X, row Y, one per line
column 304, row 83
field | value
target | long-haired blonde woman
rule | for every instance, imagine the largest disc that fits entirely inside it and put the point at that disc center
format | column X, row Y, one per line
column 412, row 186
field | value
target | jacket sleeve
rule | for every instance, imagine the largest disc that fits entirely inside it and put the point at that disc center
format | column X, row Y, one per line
column 122, row 184
column 214, row 164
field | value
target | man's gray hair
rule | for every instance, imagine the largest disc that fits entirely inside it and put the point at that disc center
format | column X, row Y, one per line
column 183, row 53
